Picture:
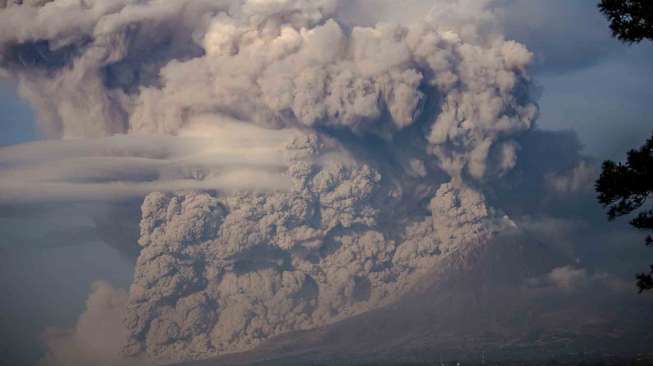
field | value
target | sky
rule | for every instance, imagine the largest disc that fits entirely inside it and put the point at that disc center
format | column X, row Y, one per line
column 17, row 121
column 69, row 255
column 591, row 82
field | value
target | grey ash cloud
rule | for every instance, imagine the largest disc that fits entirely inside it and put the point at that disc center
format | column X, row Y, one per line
column 221, row 274
column 299, row 163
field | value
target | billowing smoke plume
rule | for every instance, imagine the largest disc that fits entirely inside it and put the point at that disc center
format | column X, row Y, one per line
column 246, row 267
column 97, row 68
column 389, row 132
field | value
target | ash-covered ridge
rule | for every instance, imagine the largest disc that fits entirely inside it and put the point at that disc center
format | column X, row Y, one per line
column 221, row 273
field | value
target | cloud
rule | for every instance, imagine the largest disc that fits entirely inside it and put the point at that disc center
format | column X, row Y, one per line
column 228, row 156
column 568, row 278
column 575, row 279
column 98, row 336
column 580, row 179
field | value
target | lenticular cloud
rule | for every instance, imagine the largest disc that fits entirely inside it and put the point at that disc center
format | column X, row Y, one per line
column 379, row 141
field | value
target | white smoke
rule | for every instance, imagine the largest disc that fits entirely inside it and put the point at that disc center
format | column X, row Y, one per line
column 306, row 167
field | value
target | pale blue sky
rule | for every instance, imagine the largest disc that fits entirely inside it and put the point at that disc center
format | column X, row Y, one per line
column 16, row 118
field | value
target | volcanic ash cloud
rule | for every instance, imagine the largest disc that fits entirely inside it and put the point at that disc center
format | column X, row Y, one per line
column 390, row 134
column 222, row 273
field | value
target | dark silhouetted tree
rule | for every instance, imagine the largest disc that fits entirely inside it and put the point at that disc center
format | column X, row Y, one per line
column 624, row 188
column 631, row 21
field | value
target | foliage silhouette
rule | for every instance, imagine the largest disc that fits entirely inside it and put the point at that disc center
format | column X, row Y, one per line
column 624, row 188
column 631, row 21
